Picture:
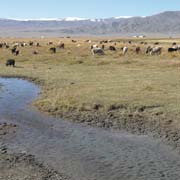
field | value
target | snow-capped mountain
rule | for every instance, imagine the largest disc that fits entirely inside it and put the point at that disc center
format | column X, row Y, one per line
column 67, row 19
column 166, row 24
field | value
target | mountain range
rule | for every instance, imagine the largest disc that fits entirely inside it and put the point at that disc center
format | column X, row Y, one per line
column 165, row 24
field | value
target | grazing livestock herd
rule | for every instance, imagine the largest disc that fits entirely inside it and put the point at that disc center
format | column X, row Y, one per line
column 98, row 48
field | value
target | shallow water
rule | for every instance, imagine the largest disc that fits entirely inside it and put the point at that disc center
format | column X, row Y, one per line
column 80, row 151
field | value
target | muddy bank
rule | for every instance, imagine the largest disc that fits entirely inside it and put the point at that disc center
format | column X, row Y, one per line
column 140, row 120
column 16, row 166
column 25, row 167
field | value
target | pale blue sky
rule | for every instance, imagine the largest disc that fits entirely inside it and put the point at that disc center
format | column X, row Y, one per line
column 84, row 8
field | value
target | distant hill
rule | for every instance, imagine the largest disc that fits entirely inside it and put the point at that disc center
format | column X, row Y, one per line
column 163, row 24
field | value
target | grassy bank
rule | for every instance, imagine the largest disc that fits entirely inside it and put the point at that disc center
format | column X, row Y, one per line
column 136, row 92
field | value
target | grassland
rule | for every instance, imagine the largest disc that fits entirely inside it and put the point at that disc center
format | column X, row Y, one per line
column 137, row 92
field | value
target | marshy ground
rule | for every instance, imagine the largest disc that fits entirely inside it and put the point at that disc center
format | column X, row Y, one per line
column 139, row 93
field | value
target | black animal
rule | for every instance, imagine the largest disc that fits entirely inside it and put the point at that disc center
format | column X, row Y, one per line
column 13, row 50
column 112, row 48
column 172, row 49
column 10, row 62
column 53, row 50
column 156, row 43
column 104, row 41
column 74, row 41
column 31, row 43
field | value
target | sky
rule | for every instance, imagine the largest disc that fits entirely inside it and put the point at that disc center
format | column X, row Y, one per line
column 33, row 9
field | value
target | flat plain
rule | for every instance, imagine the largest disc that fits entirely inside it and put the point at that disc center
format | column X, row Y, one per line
column 136, row 92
